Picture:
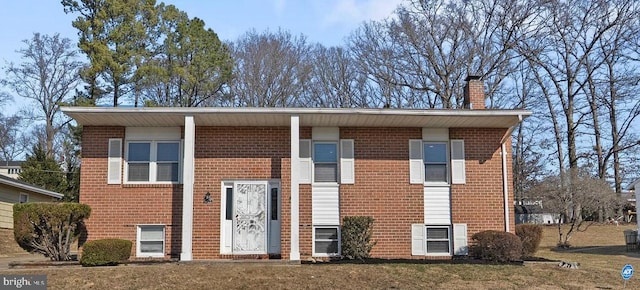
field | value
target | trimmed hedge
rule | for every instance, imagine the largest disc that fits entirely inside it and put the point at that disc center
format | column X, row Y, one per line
column 356, row 237
column 496, row 246
column 49, row 228
column 106, row 252
column 530, row 235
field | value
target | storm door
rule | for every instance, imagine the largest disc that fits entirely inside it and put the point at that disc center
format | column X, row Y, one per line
column 250, row 217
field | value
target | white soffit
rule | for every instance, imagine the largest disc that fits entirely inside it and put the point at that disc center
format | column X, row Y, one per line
column 210, row 116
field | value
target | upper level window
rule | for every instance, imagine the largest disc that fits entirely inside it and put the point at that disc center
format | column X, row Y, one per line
column 436, row 162
column 325, row 161
column 153, row 161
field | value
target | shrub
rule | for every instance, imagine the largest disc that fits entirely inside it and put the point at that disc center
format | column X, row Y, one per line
column 356, row 237
column 106, row 252
column 49, row 228
column 496, row 246
column 530, row 236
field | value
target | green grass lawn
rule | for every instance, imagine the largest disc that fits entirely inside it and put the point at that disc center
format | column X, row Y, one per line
column 600, row 251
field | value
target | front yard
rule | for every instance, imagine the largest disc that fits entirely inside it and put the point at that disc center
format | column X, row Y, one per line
column 600, row 252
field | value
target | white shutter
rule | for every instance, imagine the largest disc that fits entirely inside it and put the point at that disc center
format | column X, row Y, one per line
column 460, row 239
column 458, row 175
column 418, row 242
column 416, row 164
column 347, row 175
column 305, row 161
column 114, row 167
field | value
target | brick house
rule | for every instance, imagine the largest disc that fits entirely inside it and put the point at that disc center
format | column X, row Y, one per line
column 216, row 183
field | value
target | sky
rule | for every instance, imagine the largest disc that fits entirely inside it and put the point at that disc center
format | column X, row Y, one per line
column 327, row 22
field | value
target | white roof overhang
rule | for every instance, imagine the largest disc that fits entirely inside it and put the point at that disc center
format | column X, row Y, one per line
column 323, row 117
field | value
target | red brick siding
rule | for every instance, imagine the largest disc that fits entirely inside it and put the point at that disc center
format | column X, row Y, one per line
column 382, row 189
column 226, row 153
column 480, row 201
column 112, row 213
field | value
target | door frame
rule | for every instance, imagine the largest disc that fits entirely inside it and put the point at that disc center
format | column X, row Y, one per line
column 273, row 231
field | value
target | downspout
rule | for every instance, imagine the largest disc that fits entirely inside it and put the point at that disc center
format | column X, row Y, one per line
column 505, row 177
column 505, row 188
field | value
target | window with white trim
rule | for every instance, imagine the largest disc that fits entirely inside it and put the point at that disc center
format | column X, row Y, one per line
column 153, row 161
column 438, row 240
column 326, row 241
column 325, row 161
column 436, row 162
column 150, row 241
column 24, row 198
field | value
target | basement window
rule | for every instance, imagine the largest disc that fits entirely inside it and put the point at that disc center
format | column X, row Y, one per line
column 150, row 241
column 326, row 241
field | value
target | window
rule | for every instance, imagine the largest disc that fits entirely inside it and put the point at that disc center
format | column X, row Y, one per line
column 24, row 198
column 274, row 204
column 438, row 240
column 229, row 204
column 436, row 162
column 326, row 241
column 325, row 161
column 153, row 161
column 150, row 241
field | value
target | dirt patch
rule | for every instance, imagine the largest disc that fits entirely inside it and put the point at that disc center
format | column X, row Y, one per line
column 8, row 245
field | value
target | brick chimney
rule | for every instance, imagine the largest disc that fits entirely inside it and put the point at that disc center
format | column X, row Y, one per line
column 474, row 93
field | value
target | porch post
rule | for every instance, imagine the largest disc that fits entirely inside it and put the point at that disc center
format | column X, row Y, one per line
column 187, row 188
column 295, row 188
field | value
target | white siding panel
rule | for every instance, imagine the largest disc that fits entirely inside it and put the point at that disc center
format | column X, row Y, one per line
column 325, row 133
column 325, row 205
column 437, row 205
column 435, row 134
column 153, row 133
column 460, row 239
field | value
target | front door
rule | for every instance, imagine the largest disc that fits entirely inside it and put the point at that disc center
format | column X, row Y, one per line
column 250, row 217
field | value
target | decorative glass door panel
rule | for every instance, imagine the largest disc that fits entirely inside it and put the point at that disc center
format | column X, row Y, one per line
column 250, row 217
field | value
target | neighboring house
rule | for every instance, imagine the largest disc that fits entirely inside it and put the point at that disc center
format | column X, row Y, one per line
column 14, row 191
column 10, row 168
column 220, row 183
column 532, row 212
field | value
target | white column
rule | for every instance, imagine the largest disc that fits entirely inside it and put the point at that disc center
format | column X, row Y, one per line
column 295, row 188
column 187, row 188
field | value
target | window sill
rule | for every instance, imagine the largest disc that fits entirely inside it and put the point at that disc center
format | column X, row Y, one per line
column 326, row 184
column 151, row 185
column 158, row 255
column 437, row 184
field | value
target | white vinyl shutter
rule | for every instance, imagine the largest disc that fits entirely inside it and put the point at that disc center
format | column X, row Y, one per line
column 347, row 174
column 458, row 174
column 418, row 242
column 460, row 239
column 305, row 161
column 114, row 167
column 416, row 164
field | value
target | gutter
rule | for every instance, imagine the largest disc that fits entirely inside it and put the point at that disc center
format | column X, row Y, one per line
column 505, row 188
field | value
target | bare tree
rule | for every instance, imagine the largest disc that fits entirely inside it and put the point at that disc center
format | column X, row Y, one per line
column 271, row 69
column 433, row 45
column 581, row 189
column 47, row 76
column 335, row 80
column 12, row 137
